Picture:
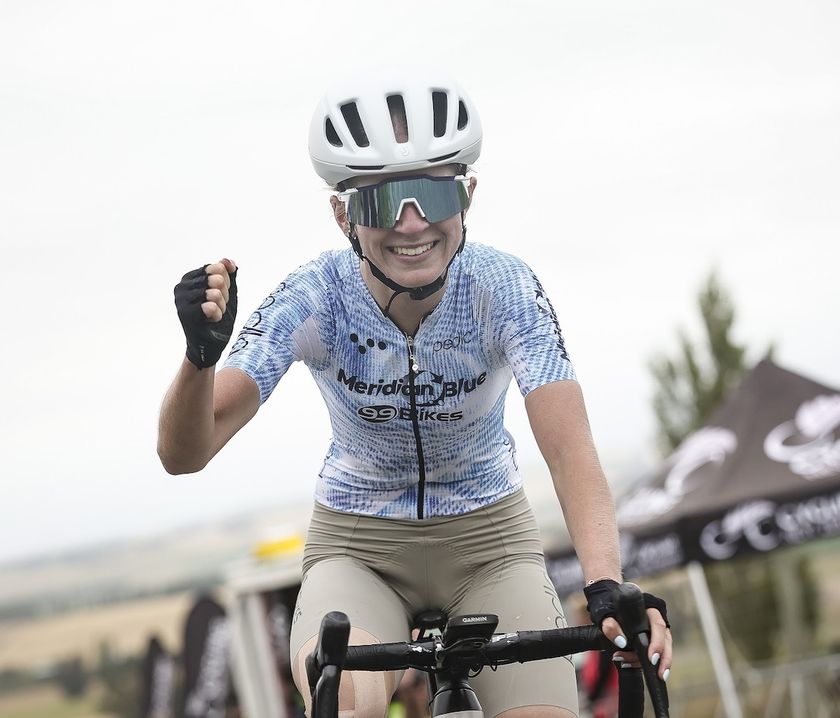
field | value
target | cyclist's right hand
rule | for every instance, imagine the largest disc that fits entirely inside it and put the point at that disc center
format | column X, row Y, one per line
column 206, row 302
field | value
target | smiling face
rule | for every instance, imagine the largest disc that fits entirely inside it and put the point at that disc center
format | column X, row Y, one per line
column 413, row 252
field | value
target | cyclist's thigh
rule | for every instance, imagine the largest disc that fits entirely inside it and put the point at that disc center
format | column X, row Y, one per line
column 376, row 616
column 519, row 591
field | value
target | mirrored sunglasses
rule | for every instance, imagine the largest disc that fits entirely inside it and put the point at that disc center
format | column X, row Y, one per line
column 380, row 205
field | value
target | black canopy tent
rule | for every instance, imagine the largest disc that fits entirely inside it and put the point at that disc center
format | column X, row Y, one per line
column 763, row 474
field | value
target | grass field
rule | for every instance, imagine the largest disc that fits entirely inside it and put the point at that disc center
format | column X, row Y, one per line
column 48, row 702
column 125, row 627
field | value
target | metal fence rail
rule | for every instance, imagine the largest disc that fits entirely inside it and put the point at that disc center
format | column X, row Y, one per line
column 806, row 688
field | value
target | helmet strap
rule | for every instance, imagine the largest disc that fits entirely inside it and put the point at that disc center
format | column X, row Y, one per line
column 416, row 293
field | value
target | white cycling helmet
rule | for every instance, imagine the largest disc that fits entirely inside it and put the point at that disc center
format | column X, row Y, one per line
column 359, row 127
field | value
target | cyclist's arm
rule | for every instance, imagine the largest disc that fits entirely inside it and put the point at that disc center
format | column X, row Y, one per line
column 560, row 425
column 561, row 428
column 201, row 412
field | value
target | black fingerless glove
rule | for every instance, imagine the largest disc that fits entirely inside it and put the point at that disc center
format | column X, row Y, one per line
column 206, row 340
column 652, row 601
column 600, row 599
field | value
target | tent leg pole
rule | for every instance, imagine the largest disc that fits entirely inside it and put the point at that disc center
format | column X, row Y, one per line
column 711, row 631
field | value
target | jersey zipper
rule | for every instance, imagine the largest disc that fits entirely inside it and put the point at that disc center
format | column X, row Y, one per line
column 413, row 368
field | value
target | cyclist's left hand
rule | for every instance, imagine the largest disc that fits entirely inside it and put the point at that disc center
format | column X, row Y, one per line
column 660, row 652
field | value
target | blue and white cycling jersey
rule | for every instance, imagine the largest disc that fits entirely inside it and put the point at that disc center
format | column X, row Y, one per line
column 417, row 422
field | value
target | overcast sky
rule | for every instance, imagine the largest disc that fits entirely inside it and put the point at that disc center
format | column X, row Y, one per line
column 629, row 149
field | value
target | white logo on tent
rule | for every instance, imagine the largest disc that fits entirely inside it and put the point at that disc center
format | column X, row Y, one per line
column 752, row 520
column 710, row 445
column 807, row 443
column 766, row 525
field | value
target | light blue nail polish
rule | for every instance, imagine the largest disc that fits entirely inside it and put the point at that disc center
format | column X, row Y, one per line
column 621, row 642
column 666, row 674
column 654, row 659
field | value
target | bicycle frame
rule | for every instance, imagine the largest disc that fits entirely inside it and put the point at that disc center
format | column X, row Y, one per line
column 449, row 659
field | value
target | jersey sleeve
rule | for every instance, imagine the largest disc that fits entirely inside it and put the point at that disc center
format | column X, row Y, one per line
column 529, row 333
column 285, row 328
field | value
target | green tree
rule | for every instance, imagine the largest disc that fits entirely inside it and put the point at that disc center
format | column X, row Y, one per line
column 810, row 595
column 748, row 604
column 121, row 681
column 690, row 386
column 72, row 677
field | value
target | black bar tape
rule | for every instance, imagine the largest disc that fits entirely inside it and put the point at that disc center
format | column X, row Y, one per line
column 631, row 692
column 536, row 645
column 387, row 657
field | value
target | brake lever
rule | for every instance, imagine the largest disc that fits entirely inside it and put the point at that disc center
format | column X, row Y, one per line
column 632, row 617
column 333, row 638
column 324, row 664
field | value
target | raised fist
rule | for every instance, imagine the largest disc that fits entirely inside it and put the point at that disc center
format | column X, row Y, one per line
column 206, row 303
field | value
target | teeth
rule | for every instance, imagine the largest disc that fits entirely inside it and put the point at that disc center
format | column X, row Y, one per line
column 413, row 251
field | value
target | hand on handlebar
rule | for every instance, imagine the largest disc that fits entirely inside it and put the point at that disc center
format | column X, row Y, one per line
column 660, row 652
column 601, row 604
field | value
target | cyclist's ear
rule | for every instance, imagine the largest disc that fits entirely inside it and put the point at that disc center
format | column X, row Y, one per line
column 470, row 189
column 340, row 214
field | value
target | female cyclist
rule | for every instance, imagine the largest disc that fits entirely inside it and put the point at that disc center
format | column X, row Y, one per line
column 412, row 335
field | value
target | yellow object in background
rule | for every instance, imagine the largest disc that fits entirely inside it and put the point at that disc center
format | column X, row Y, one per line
column 275, row 547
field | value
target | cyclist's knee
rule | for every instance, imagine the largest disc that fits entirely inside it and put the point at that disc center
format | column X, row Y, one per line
column 361, row 694
column 368, row 696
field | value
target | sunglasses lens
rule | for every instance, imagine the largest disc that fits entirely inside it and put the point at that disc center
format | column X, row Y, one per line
column 438, row 198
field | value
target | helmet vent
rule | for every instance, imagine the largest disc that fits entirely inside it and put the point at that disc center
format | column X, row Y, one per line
column 399, row 121
column 463, row 117
column 439, row 113
column 354, row 124
column 444, row 157
column 332, row 135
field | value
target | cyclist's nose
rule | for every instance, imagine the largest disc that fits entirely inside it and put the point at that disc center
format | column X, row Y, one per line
column 410, row 221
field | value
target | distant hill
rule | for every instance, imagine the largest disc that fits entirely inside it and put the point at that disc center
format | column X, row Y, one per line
column 187, row 558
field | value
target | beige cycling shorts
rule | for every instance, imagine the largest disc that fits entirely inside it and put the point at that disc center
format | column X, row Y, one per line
column 382, row 571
